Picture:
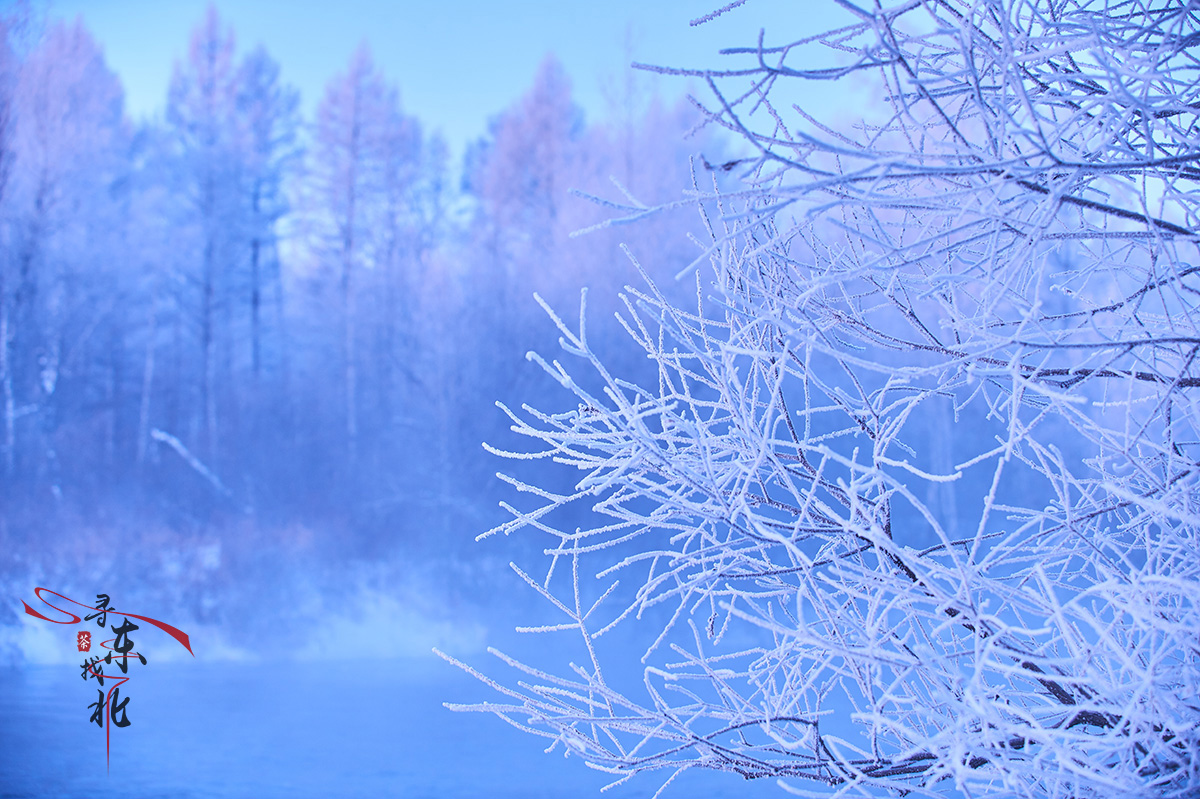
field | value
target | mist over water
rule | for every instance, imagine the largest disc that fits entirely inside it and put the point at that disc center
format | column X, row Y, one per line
column 283, row 729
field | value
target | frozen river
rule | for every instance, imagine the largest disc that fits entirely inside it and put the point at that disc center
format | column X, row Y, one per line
column 310, row 729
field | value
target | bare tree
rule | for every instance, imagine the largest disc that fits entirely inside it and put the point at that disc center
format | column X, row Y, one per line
column 350, row 132
column 985, row 291
column 64, row 162
column 8, row 69
column 268, row 116
column 201, row 110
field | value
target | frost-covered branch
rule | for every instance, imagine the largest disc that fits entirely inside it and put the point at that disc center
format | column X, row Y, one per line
column 911, row 501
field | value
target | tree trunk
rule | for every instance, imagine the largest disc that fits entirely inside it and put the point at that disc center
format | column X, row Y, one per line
column 10, row 405
column 208, row 395
column 349, row 330
column 255, row 292
column 143, row 433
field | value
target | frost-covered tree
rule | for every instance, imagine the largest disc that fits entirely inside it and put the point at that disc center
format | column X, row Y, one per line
column 67, row 143
column 521, row 184
column 232, row 147
column 405, row 225
column 8, row 74
column 374, row 203
column 528, row 176
column 202, row 109
column 1003, row 249
column 347, row 186
column 520, row 177
column 268, row 123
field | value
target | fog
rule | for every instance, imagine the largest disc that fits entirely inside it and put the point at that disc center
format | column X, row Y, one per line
column 249, row 358
column 252, row 357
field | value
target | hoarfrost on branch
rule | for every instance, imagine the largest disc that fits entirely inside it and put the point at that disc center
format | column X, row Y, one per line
column 911, row 501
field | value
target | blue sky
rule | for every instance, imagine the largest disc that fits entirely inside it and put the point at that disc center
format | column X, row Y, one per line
column 457, row 62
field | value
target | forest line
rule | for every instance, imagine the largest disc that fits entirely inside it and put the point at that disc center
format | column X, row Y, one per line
column 236, row 312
